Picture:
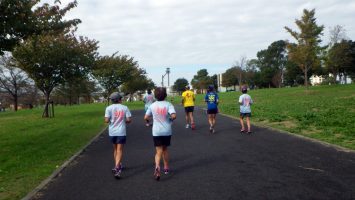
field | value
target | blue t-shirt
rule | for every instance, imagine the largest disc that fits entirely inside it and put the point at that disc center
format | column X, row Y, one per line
column 245, row 103
column 148, row 99
column 117, row 114
column 161, row 111
column 211, row 99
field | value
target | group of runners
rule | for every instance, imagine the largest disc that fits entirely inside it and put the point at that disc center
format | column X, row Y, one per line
column 160, row 114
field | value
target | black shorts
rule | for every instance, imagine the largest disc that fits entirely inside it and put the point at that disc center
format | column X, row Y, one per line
column 118, row 139
column 162, row 140
column 189, row 109
column 212, row 111
column 245, row 115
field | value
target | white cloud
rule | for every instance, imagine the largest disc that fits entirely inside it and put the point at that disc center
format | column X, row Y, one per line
column 188, row 35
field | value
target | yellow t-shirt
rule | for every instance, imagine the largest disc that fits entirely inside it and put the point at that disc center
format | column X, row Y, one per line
column 189, row 98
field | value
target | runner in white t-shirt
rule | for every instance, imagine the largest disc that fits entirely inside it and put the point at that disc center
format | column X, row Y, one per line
column 148, row 99
column 163, row 114
column 117, row 115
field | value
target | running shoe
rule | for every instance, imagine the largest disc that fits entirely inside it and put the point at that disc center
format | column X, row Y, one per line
column 115, row 169
column 118, row 174
column 193, row 126
column 157, row 174
column 187, row 126
column 166, row 171
column 211, row 129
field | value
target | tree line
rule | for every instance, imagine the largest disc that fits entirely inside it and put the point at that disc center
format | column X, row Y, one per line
column 40, row 51
column 289, row 63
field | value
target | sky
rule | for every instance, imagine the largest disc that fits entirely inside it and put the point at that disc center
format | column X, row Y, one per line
column 189, row 35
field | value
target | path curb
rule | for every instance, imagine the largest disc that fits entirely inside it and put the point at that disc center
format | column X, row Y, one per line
column 336, row 147
column 31, row 194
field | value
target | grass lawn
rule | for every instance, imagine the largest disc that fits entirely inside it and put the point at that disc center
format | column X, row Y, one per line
column 31, row 147
column 325, row 113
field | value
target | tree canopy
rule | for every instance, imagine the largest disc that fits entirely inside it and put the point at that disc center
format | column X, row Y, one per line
column 112, row 71
column 201, row 80
column 22, row 19
column 180, row 84
column 305, row 53
column 50, row 60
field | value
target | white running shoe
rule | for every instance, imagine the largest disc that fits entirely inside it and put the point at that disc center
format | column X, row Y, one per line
column 187, row 126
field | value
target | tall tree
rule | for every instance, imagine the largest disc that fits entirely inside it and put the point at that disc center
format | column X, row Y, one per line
column 140, row 82
column 201, row 80
column 272, row 62
column 50, row 60
column 230, row 77
column 180, row 84
column 341, row 59
column 22, row 19
column 305, row 53
column 12, row 79
column 112, row 71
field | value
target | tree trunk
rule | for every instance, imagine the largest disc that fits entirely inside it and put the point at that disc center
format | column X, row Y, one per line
column 45, row 112
column 306, row 77
column 15, row 102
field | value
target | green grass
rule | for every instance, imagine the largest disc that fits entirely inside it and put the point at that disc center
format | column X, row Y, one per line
column 31, row 147
column 325, row 113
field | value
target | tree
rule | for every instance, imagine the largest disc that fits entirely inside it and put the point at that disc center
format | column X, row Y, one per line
column 140, row 82
column 12, row 79
column 337, row 34
column 50, row 60
column 20, row 20
column 230, row 77
column 71, row 91
column 339, row 59
column 271, row 63
column 201, row 80
column 306, row 51
column 180, row 84
column 112, row 71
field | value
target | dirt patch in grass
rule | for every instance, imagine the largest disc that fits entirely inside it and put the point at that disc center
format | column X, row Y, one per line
column 287, row 124
column 311, row 130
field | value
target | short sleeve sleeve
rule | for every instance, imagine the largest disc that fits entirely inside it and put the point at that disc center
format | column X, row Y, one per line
column 149, row 111
column 241, row 99
column 171, row 109
column 128, row 113
column 107, row 112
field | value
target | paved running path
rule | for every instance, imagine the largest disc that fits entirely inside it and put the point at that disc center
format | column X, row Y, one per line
column 226, row 165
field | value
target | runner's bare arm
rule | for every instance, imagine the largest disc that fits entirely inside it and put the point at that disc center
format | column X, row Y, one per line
column 107, row 120
column 173, row 116
column 128, row 120
column 146, row 117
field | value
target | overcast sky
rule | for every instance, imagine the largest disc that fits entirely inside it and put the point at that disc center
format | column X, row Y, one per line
column 188, row 35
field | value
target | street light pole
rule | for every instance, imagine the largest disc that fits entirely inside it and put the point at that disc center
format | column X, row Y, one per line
column 167, row 72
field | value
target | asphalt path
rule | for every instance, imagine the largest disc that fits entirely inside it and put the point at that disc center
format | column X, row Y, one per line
column 226, row 165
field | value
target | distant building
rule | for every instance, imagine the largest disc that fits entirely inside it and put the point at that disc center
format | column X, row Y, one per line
column 222, row 88
column 317, row 80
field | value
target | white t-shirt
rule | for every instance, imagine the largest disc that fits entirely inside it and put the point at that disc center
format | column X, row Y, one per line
column 148, row 100
column 161, row 111
column 245, row 101
column 117, row 114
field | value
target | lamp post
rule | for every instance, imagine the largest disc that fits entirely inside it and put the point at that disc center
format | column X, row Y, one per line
column 167, row 72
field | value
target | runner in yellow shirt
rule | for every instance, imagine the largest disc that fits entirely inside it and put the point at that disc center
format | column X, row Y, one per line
column 188, row 101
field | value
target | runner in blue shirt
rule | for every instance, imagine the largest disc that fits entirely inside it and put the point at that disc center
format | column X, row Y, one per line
column 163, row 114
column 211, row 99
column 117, row 115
